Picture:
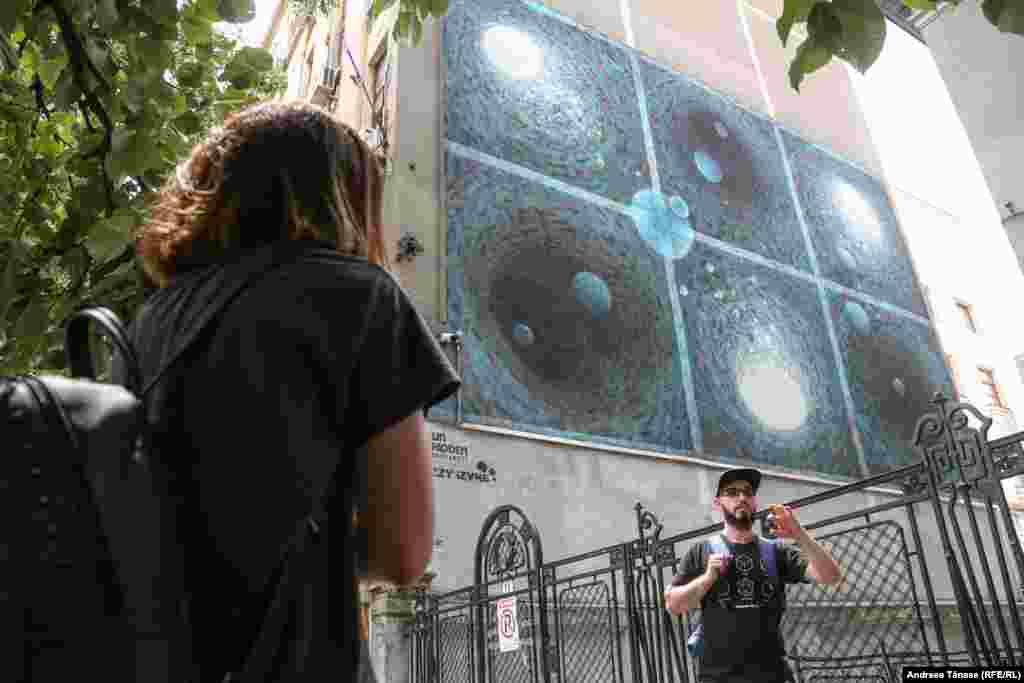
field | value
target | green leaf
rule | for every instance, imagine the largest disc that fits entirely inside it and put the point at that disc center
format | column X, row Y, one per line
column 439, row 8
column 794, row 12
column 923, row 5
column 49, row 70
column 106, row 14
column 162, row 11
column 132, row 153
column 9, row 11
column 189, row 123
column 237, row 11
column 387, row 20
column 8, row 282
column 8, row 55
column 109, row 237
column 1006, row 15
column 810, row 57
column 66, row 90
column 863, row 32
column 379, row 6
column 34, row 320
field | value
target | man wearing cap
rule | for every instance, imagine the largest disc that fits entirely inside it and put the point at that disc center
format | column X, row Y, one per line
column 738, row 580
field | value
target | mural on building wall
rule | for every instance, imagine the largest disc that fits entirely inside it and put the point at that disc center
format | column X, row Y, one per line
column 636, row 260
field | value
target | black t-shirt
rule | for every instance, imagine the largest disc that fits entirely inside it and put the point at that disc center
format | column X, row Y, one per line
column 317, row 354
column 742, row 611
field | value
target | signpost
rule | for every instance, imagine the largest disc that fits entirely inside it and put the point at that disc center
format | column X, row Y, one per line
column 508, row 625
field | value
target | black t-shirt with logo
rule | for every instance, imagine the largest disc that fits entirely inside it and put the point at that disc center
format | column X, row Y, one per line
column 742, row 611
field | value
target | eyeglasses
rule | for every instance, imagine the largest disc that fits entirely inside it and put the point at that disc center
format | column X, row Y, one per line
column 733, row 492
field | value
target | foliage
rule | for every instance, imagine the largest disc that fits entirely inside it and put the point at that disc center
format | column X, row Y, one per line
column 854, row 30
column 311, row 8
column 98, row 101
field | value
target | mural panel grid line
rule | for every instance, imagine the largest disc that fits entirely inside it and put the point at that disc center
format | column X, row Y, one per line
column 851, row 412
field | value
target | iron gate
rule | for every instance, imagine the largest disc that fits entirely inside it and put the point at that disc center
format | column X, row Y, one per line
column 944, row 551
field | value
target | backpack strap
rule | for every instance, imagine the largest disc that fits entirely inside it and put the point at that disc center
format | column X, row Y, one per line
column 716, row 544
column 767, row 547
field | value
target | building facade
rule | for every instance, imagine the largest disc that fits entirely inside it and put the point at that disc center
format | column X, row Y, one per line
column 663, row 262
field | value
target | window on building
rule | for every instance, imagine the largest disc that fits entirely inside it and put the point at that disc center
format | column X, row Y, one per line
column 967, row 315
column 987, row 380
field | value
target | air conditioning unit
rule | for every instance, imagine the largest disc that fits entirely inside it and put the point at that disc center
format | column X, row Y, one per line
column 374, row 137
column 326, row 91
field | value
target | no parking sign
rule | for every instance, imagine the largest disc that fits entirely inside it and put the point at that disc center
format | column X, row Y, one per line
column 508, row 625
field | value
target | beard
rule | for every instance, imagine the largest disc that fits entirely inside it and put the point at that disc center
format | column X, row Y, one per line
column 741, row 521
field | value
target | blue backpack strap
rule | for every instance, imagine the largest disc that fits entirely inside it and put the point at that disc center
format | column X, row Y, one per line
column 716, row 544
column 767, row 549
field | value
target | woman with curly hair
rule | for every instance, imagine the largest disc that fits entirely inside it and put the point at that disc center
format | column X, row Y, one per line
column 305, row 380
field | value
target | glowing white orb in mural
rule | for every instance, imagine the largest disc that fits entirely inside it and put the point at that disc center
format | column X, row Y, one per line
column 846, row 258
column 679, row 207
column 898, row 386
column 522, row 334
column 857, row 316
column 857, row 211
column 683, row 291
column 593, row 294
column 722, row 131
column 708, row 166
column 709, row 266
column 771, row 390
column 513, row 51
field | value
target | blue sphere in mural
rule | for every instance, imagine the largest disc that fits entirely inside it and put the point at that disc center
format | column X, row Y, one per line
column 593, row 294
column 663, row 223
column 857, row 316
column 679, row 207
column 522, row 334
column 708, row 166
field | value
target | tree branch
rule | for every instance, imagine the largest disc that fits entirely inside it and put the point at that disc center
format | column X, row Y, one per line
column 79, row 59
column 24, row 210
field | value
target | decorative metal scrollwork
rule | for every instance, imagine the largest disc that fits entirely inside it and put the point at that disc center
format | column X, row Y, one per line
column 648, row 543
column 914, row 484
column 956, row 452
column 508, row 545
column 506, row 553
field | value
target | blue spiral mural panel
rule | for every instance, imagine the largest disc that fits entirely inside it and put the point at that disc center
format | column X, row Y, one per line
column 750, row 301
column 853, row 227
column 725, row 163
column 566, row 313
column 764, row 372
column 894, row 367
column 539, row 93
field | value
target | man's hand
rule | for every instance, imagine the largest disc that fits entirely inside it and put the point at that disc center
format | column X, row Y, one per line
column 820, row 565
column 714, row 569
column 786, row 523
column 679, row 599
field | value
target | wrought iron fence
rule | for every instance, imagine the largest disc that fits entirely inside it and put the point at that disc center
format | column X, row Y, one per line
column 942, row 556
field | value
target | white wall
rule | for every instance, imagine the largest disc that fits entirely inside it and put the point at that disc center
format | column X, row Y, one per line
column 982, row 67
column 953, row 228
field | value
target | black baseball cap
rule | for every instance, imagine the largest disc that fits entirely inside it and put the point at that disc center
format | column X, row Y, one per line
column 751, row 476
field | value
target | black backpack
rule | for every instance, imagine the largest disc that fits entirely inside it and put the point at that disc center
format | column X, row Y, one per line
column 92, row 580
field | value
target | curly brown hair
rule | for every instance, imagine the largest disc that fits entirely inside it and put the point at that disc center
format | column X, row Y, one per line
column 273, row 171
